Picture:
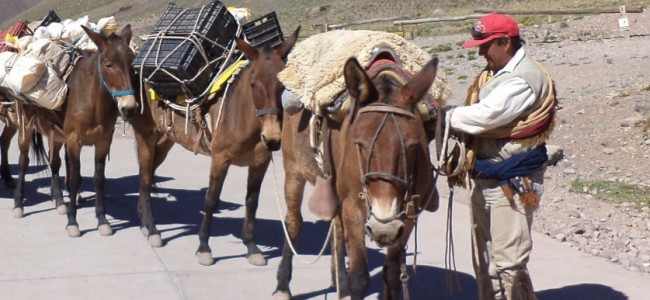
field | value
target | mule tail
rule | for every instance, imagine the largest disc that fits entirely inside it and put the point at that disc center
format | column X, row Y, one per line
column 39, row 152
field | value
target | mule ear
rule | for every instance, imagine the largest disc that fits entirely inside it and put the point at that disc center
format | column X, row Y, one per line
column 248, row 50
column 288, row 44
column 126, row 34
column 98, row 39
column 419, row 84
column 358, row 83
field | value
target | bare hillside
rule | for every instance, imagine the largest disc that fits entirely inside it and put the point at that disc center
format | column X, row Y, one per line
column 9, row 9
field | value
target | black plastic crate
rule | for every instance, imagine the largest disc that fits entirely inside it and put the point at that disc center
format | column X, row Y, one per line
column 184, row 63
column 50, row 18
column 213, row 21
column 264, row 30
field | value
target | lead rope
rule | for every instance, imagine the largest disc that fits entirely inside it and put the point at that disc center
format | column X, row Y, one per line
column 286, row 232
column 404, row 277
column 443, row 160
column 450, row 257
column 336, row 263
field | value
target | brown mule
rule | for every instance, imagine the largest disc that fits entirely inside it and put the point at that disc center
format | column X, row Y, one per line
column 28, row 136
column 382, row 172
column 8, row 117
column 243, row 134
column 100, row 88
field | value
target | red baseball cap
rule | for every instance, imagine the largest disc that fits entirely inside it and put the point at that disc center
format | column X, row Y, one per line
column 490, row 27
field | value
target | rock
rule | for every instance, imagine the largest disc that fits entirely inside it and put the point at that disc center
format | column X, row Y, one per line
column 628, row 122
column 555, row 154
column 643, row 109
column 316, row 11
column 608, row 151
column 569, row 171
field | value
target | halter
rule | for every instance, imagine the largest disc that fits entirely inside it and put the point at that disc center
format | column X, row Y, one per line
column 267, row 111
column 393, row 112
column 114, row 94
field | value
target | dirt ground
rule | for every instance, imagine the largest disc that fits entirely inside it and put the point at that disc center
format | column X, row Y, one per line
column 600, row 72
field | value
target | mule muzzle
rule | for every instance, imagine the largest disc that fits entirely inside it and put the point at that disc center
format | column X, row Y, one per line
column 127, row 106
column 271, row 144
column 271, row 134
column 384, row 233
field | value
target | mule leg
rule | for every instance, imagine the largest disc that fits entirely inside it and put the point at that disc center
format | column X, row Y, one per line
column 339, row 271
column 160, row 153
column 145, row 137
column 218, row 170
column 24, row 141
column 99, row 181
column 5, row 141
column 55, row 166
column 255, row 177
column 391, row 270
column 73, row 151
column 353, row 224
column 294, row 186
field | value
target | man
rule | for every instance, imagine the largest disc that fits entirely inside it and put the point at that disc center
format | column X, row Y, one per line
column 508, row 116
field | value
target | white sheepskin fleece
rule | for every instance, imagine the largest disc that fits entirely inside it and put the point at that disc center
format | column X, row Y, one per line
column 314, row 69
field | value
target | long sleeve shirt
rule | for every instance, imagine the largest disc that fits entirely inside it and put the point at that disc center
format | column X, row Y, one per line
column 505, row 103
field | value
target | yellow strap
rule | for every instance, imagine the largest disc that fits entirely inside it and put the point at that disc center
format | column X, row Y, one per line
column 218, row 84
column 9, row 38
column 153, row 96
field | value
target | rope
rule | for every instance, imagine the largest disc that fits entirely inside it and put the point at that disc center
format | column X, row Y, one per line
column 195, row 38
column 450, row 257
column 286, row 232
column 336, row 263
column 443, row 160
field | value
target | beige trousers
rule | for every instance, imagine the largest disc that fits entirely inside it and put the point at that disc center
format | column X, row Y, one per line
column 501, row 241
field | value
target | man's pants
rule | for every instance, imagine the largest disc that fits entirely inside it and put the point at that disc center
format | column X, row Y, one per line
column 501, row 241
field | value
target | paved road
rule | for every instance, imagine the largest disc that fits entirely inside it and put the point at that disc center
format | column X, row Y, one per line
column 39, row 261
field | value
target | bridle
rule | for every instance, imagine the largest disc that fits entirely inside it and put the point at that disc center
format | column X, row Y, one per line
column 391, row 112
column 114, row 94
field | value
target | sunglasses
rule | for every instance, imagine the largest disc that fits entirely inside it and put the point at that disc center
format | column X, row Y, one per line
column 477, row 35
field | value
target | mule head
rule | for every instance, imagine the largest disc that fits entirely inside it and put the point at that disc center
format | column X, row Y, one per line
column 266, row 89
column 114, row 58
column 390, row 142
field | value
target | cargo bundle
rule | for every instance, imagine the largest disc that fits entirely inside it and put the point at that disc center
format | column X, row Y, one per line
column 264, row 30
column 186, row 49
column 34, row 64
column 19, row 30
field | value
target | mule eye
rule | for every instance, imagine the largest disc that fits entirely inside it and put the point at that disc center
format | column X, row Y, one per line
column 108, row 65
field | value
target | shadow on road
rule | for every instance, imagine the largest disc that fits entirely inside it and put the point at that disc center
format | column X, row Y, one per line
column 582, row 292
column 429, row 283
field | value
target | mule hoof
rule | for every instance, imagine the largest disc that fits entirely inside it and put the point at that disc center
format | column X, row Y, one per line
column 257, row 259
column 205, row 258
column 73, row 231
column 155, row 241
column 346, row 298
column 105, row 229
column 62, row 209
column 18, row 212
column 144, row 231
column 280, row 295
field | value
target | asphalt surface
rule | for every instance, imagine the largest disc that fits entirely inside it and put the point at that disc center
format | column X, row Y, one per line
column 39, row 261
